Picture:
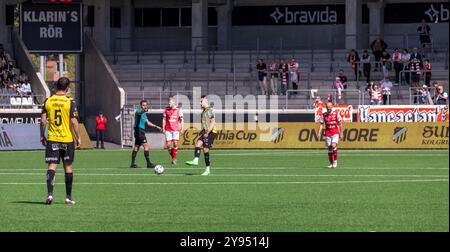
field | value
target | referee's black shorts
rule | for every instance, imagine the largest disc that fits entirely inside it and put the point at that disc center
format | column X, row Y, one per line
column 139, row 137
column 55, row 152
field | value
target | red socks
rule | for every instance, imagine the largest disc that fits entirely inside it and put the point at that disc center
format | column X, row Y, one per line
column 330, row 156
column 335, row 154
column 174, row 153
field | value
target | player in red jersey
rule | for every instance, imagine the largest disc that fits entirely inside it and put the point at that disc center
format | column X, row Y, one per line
column 331, row 121
column 172, row 125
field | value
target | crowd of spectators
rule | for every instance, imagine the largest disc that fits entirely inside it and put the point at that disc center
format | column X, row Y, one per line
column 410, row 68
column 286, row 73
column 13, row 81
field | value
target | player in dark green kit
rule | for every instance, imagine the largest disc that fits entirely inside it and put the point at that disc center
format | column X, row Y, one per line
column 140, row 120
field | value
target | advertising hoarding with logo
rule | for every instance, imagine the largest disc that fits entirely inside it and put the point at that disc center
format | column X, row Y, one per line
column 403, row 113
column 52, row 28
column 345, row 111
column 20, row 137
column 436, row 12
column 306, row 136
column 289, row 15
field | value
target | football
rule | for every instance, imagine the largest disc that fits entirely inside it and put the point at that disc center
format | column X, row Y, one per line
column 159, row 169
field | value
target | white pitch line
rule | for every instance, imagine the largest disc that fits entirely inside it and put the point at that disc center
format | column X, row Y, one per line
column 246, row 175
column 299, row 154
column 240, row 168
column 245, row 183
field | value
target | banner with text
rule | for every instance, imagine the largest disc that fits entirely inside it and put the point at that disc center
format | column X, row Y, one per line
column 322, row 14
column 52, row 28
column 403, row 113
column 306, row 136
column 20, row 137
column 345, row 111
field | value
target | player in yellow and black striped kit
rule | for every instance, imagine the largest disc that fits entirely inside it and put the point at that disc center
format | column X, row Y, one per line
column 60, row 115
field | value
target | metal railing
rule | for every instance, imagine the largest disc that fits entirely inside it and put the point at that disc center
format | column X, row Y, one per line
column 422, row 96
column 305, row 98
column 15, row 101
column 408, row 76
column 158, row 96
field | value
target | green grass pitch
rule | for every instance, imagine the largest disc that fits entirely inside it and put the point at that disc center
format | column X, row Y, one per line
column 249, row 190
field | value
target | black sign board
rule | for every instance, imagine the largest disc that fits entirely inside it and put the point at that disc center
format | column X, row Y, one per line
column 415, row 12
column 289, row 15
column 52, row 28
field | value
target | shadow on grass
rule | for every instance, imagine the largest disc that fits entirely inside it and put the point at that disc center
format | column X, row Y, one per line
column 32, row 202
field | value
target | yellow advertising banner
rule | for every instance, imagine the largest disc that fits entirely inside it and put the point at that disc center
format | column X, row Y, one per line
column 305, row 136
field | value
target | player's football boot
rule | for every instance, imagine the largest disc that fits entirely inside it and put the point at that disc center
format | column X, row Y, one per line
column 174, row 162
column 69, row 201
column 49, row 200
column 335, row 164
column 330, row 166
column 133, row 166
column 192, row 162
column 206, row 173
column 151, row 165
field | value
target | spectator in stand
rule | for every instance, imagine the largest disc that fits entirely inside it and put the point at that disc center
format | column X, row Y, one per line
column 405, row 61
column 427, row 71
column 415, row 64
column 442, row 96
column 366, row 65
column 294, row 74
column 273, row 70
column 386, row 63
column 378, row 46
column 283, row 69
column 343, row 78
column 375, row 98
column 386, row 87
column 25, row 89
column 100, row 129
column 398, row 66
column 423, row 95
column 338, row 85
column 319, row 103
column 262, row 68
column 353, row 59
column 424, row 32
column 415, row 55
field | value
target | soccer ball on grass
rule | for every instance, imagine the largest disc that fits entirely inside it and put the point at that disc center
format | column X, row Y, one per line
column 159, row 169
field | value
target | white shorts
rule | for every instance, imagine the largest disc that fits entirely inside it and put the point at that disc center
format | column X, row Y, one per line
column 332, row 139
column 172, row 135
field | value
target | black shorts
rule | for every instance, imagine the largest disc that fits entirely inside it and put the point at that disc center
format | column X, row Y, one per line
column 207, row 142
column 139, row 137
column 55, row 152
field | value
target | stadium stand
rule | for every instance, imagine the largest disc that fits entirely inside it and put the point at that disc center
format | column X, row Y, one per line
column 158, row 74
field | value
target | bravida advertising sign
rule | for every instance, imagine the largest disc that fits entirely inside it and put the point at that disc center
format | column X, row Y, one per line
column 52, row 28
column 436, row 12
column 403, row 113
column 289, row 15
